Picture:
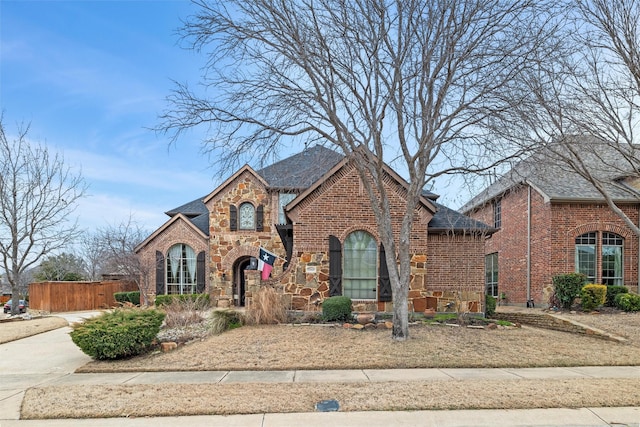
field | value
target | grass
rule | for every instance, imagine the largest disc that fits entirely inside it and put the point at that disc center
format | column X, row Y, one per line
column 286, row 347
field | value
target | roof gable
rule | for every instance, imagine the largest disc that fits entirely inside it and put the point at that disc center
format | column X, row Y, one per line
column 173, row 220
column 556, row 181
column 345, row 162
column 245, row 169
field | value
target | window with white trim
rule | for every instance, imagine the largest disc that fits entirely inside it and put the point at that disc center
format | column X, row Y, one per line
column 181, row 270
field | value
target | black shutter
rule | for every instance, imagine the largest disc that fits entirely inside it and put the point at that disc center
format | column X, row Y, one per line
column 260, row 218
column 384, row 291
column 200, row 273
column 233, row 218
column 159, row 273
column 335, row 266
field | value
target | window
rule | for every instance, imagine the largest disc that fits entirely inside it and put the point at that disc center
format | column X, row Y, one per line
column 491, row 274
column 497, row 214
column 181, row 270
column 247, row 217
column 283, row 200
column 611, row 259
column 360, row 266
column 611, row 269
column 586, row 255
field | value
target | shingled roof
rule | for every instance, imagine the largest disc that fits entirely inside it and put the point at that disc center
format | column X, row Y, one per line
column 301, row 170
column 556, row 181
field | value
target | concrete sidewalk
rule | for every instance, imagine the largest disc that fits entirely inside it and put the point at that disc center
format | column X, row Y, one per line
column 51, row 359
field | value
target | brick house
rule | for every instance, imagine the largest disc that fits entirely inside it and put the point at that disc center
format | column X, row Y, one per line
column 550, row 221
column 312, row 212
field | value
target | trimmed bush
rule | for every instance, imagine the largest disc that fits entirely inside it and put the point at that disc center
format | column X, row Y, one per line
column 490, row 306
column 567, row 287
column 125, row 297
column 593, row 296
column 201, row 299
column 336, row 309
column 628, row 302
column 612, row 292
column 118, row 334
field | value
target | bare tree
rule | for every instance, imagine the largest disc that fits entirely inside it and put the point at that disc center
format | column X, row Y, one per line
column 585, row 107
column 414, row 83
column 118, row 243
column 38, row 195
column 94, row 253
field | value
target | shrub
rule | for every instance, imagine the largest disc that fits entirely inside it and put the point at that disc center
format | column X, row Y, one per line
column 125, row 297
column 567, row 287
column 593, row 296
column 628, row 302
column 490, row 306
column 612, row 292
column 118, row 334
column 223, row 320
column 201, row 299
column 336, row 309
column 266, row 308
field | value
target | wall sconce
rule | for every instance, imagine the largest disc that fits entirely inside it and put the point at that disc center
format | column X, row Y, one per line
column 224, row 276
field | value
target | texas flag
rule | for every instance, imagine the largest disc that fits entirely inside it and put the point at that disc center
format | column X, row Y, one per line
column 265, row 263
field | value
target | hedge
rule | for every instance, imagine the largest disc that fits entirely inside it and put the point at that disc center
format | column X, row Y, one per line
column 567, row 287
column 124, row 297
column 628, row 302
column 612, row 292
column 201, row 299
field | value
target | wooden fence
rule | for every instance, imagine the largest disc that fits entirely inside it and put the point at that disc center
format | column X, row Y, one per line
column 76, row 296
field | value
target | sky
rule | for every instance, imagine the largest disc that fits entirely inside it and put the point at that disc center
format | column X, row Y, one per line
column 91, row 78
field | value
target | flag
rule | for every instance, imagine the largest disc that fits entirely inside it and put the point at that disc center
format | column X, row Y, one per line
column 265, row 262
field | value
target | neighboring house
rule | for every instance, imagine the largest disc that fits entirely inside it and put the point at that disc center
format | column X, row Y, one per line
column 312, row 211
column 551, row 221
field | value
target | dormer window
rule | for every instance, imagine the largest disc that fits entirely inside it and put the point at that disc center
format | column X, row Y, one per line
column 247, row 214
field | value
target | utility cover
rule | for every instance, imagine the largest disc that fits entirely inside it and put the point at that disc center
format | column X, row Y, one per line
column 330, row 405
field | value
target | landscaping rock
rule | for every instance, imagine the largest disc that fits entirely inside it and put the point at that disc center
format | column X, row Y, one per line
column 492, row 326
column 166, row 347
column 358, row 326
column 370, row 326
column 388, row 324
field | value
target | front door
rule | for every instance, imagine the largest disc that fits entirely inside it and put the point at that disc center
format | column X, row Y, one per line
column 239, row 285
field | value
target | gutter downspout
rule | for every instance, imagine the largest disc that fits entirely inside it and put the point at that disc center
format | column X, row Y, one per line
column 529, row 301
column 638, row 272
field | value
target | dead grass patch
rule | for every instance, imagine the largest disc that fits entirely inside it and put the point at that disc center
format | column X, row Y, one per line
column 78, row 401
column 17, row 329
column 285, row 347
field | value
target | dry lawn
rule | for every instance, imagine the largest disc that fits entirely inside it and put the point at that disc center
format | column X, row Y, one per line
column 11, row 330
column 286, row 347
column 320, row 347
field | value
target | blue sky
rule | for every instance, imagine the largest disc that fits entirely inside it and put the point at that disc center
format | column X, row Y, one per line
column 91, row 78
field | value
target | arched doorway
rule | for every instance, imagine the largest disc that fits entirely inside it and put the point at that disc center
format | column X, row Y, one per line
column 239, row 278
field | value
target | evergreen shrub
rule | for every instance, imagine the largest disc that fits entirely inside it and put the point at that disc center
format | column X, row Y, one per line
column 628, row 302
column 336, row 309
column 593, row 296
column 612, row 292
column 125, row 297
column 567, row 287
column 118, row 334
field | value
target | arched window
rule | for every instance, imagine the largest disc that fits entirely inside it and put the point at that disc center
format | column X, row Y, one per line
column 604, row 254
column 181, row 270
column 612, row 259
column 360, row 257
column 247, row 215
